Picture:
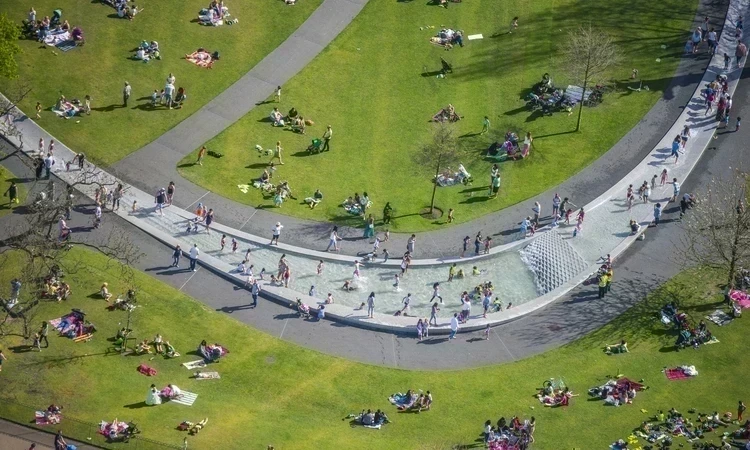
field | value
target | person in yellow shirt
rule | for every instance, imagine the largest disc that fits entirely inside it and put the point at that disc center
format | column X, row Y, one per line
column 610, row 275
column 603, row 281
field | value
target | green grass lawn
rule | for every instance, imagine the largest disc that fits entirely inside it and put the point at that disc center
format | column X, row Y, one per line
column 273, row 392
column 101, row 67
column 6, row 177
column 368, row 85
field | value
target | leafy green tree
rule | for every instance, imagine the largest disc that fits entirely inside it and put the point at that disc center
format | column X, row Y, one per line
column 9, row 35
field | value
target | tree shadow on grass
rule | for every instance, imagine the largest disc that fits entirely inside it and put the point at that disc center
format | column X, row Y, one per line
column 109, row 108
column 138, row 405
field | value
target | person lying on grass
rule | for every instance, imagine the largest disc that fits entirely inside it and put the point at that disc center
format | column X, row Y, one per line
column 622, row 347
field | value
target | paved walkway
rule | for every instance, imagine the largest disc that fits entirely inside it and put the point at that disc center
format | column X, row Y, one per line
column 17, row 437
column 640, row 269
column 155, row 165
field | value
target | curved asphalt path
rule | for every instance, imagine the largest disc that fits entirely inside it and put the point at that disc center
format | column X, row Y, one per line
column 642, row 268
column 156, row 164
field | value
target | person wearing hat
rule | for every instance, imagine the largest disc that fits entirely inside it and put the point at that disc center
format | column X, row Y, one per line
column 327, row 138
column 126, row 94
column 276, row 233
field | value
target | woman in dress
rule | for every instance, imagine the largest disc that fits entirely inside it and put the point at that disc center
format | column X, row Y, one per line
column 526, row 145
column 153, row 398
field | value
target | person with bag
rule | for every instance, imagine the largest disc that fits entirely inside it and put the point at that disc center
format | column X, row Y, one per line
column 12, row 194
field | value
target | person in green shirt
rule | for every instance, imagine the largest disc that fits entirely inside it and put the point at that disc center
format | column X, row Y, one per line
column 485, row 125
column 603, row 280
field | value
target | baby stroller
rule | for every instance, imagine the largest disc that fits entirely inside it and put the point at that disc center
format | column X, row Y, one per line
column 314, row 147
column 56, row 16
column 303, row 310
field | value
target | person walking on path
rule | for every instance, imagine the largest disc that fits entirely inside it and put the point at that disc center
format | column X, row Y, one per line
column 209, row 220
column 43, row 332
column 276, row 230
column 465, row 246
column 454, row 326
column 485, row 125
column 334, row 239
column 327, row 139
column 675, row 189
column 371, row 305
column 740, row 409
column 556, row 201
column 48, row 163
column 176, row 254
column 201, row 155
column 126, row 94
column 657, row 213
column 433, row 314
column 12, row 194
column 161, row 198
column 116, row 196
column 411, row 243
column 477, row 243
column 537, row 209
column 254, row 291
column 170, row 192
column 740, row 52
column 60, row 443
column 603, row 285
column 194, row 252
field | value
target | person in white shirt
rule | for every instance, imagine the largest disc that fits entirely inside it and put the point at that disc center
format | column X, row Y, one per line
column 454, row 326
column 168, row 94
column 98, row 215
column 276, row 233
column 194, row 252
column 333, row 239
column 407, row 307
column 465, row 310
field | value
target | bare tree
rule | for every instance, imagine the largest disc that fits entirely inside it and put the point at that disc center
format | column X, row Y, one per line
column 589, row 54
column 717, row 229
column 14, row 94
column 39, row 242
column 443, row 151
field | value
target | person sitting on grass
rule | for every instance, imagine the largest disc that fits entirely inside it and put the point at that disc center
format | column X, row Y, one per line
column 277, row 118
column 179, row 99
column 170, row 351
column 622, row 347
column 104, row 291
column 171, row 392
column 143, row 347
column 316, row 198
column 158, row 344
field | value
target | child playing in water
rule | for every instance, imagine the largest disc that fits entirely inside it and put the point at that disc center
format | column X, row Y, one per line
column 235, row 244
column 320, row 267
column 223, row 241
column 398, row 281
column 356, row 268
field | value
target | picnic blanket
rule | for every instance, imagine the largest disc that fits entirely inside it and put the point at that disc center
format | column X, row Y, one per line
column 194, row 364
column 719, row 317
column 740, row 297
column 69, row 325
column 680, row 373
column 46, row 418
column 402, row 400
column 53, row 39
column 206, row 375
column 202, row 59
column 187, row 398
column 105, row 428
column 69, row 110
column 146, row 370
column 64, row 46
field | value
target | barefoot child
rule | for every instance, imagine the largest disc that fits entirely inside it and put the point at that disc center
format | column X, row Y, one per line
column 320, row 267
column 223, row 242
